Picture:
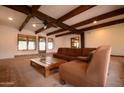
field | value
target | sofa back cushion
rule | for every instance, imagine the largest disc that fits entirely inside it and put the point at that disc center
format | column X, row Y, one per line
column 74, row 52
column 98, row 67
column 59, row 51
column 86, row 51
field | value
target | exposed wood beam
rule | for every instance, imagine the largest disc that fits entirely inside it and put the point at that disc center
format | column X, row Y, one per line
column 82, row 40
column 25, row 22
column 54, row 32
column 34, row 10
column 27, row 10
column 71, row 14
column 97, row 18
column 119, row 21
column 101, row 25
column 101, row 17
column 43, row 16
column 75, row 12
column 20, row 8
column 64, row 34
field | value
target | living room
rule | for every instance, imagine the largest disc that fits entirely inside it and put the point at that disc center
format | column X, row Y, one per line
column 33, row 33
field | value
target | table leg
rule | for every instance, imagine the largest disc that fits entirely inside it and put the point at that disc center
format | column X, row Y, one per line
column 46, row 72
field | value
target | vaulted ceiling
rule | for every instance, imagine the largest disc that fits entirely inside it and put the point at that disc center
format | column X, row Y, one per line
column 61, row 19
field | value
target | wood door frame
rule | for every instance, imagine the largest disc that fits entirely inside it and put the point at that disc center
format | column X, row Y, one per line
column 38, row 42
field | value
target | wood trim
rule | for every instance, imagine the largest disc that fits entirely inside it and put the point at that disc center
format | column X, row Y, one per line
column 101, row 25
column 97, row 18
column 117, row 55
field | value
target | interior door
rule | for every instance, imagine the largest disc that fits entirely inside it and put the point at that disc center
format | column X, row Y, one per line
column 42, row 44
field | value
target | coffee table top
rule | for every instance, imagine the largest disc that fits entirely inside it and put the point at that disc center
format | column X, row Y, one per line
column 47, row 61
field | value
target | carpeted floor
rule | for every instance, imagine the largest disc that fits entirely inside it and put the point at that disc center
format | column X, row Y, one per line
column 18, row 72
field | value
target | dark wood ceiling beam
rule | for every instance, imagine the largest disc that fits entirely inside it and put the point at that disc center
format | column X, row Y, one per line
column 97, row 18
column 41, row 29
column 33, row 11
column 71, row 14
column 101, row 17
column 64, row 34
column 119, row 21
column 26, row 10
column 43, row 16
column 25, row 22
column 75, row 12
column 20, row 8
column 35, row 8
column 54, row 32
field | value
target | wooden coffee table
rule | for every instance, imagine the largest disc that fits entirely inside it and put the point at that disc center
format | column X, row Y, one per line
column 47, row 63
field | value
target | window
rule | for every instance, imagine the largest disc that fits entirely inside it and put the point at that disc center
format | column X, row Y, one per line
column 75, row 42
column 26, row 42
column 42, row 44
column 50, row 43
column 31, row 43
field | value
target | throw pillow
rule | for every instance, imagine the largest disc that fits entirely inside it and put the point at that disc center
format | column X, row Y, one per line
column 91, row 55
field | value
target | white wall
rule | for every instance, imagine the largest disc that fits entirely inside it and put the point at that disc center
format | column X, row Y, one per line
column 64, row 41
column 112, row 35
column 8, row 42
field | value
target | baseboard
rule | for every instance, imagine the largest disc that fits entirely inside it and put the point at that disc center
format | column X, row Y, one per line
column 117, row 55
column 26, row 55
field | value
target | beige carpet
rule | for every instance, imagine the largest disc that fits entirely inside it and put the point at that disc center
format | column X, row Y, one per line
column 17, row 72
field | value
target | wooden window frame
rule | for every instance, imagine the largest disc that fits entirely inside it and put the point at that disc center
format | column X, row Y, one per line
column 72, row 42
column 27, row 40
column 52, row 42
column 39, row 41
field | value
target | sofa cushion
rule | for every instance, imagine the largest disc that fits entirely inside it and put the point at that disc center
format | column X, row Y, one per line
column 60, row 50
column 81, row 58
column 65, row 57
column 86, row 51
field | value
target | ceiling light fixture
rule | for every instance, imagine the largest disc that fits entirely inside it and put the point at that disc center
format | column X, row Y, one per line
column 10, row 18
column 94, row 22
column 45, row 26
column 34, row 25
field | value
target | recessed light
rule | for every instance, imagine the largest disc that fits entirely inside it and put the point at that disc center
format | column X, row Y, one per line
column 10, row 18
column 94, row 22
column 34, row 25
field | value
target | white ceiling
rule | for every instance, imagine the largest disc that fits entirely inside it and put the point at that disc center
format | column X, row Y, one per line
column 18, row 17
column 56, row 11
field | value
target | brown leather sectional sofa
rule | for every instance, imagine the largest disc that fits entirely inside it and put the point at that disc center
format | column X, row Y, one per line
column 73, row 54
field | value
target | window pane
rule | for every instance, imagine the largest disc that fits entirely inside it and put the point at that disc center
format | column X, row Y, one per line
column 42, row 45
column 31, row 45
column 50, row 45
column 22, row 45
